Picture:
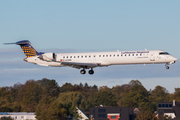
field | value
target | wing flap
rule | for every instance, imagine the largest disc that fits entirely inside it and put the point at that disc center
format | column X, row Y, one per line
column 80, row 65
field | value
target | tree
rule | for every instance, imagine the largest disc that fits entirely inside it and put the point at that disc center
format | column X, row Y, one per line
column 67, row 87
column 146, row 115
column 159, row 94
column 50, row 109
column 120, row 93
column 29, row 96
column 136, row 99
column 49, row 87
column 137, row 86
column 70, row 101
column 105, row 97
column 176, row 95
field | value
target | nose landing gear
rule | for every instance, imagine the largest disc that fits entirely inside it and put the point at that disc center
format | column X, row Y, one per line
column 167, row 67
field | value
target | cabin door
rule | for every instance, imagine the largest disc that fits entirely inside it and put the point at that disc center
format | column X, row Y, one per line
column 152, row 57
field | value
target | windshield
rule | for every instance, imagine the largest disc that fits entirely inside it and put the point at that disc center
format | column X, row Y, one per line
column 164, row 53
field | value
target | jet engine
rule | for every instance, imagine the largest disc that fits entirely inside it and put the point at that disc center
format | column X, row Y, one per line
column 48, row 57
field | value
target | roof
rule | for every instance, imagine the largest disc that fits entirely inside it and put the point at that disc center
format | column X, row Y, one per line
column 16, row 113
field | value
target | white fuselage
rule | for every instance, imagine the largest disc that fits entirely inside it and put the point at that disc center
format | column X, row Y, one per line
column 108, row 58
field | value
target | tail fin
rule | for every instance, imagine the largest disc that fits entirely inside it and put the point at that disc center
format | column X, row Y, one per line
column 27, row 48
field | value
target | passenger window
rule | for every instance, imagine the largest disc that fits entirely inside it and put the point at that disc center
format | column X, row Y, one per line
column 118, row 55
column 99, row 55
column 129, row 55
column 121, row 55
column 85, row 56
column 81, row 56
column 114, row 55
column 70, row 56
column 136, row 54
column 125, row 54
column 109, row 55
column 74, row 56
column 106, row 55
column 67, row 57
column 103, row 55
column 94, row 56
column 78, row 56
column 132, row 54
column 63, row 56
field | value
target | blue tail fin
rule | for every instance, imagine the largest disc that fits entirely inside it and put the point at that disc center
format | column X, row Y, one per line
column 27, row 48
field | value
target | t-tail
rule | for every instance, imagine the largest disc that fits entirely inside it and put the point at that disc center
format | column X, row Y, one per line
column 27, row 48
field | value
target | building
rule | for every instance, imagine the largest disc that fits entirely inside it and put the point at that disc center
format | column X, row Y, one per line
column 170, row 109
column 82, row 114
column 113, row 113
column 19, row 115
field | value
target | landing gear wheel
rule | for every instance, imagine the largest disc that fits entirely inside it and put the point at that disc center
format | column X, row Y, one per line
column 91, row 72
column 83, row 71
column 167, row 67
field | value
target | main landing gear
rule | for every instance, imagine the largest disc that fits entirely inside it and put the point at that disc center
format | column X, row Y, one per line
column 83, row 71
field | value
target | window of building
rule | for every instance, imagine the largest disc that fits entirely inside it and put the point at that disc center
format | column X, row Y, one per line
column 125, row 55
column 74, row 56
column 63, row 56
column 70, row 56
column 94, row 56
column 85, row 56
column 129, row 54
column 22, row 117
column 106, row 55
column 103, row 55
column 89, row 56
column 117, row 55
column 167, row 105
column 121, row 55
column 15, row 117
column 136, row 54
column 102, row 110
column 132, row 54
column 67, row 57
column 163, row 105
column 101, row 115
column 78, row 56
column 159, row 105
column 99, row 55
column 113, row 117
column 109, row 55
column 81, row 56
column 170, row 105
column 114, row 55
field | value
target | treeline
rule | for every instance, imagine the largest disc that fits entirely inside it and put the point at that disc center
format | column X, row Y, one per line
column 51, row 101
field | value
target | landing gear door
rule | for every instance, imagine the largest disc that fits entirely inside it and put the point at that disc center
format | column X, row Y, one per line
column 152, row 57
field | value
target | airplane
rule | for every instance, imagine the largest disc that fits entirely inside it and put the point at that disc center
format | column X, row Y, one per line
column 91, row 60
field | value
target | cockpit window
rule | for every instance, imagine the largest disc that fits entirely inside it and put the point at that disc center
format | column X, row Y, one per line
column 164, row 53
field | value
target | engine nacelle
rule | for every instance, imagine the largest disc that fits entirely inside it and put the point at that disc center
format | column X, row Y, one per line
column 49, row 57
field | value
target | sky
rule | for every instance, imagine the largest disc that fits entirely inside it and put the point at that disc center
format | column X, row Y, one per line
column 90, row 26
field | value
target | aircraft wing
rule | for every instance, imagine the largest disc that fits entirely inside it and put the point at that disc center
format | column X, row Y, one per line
column 80, row 65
